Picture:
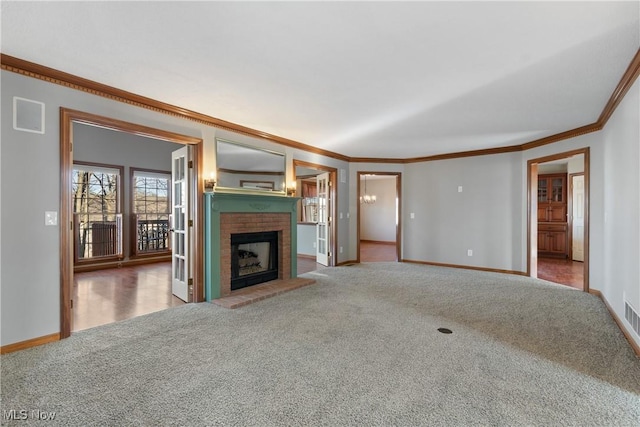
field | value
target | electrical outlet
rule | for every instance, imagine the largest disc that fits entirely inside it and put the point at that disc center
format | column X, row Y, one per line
column 412, row 215
column 459, row 188
column 469, row 252
column 340, row 249
column 314, row 245
column 340, row 215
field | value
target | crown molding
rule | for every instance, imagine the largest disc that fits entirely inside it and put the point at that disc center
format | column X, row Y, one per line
column 51, row 75
column 471, row 153
column 627, row 80
column 30, row 69
column 582, row 130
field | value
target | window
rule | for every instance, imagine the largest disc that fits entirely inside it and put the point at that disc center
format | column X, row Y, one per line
column 151, row 208
column 96, row 211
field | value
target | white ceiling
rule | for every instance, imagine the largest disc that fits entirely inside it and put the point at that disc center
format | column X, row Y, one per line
column 363, row 79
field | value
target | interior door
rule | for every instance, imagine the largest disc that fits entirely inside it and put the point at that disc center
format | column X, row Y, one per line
column 577, row 185
column 181, row 223
column 324, row 219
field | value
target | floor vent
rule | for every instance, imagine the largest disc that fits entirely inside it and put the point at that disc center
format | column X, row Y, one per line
column 632, row 317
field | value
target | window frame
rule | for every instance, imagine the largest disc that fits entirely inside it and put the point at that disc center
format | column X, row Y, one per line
column 135, row 253
column 119, row 211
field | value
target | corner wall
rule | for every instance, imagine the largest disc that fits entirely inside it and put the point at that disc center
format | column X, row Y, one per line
column 621, row 140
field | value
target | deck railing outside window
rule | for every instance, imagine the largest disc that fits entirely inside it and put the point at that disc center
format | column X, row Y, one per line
column 152, row 232
column 97, row 235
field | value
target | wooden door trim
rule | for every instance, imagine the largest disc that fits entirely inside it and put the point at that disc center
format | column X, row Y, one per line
column 532, row 198
column 67, row 118
column 333, row 197
column 398, row 176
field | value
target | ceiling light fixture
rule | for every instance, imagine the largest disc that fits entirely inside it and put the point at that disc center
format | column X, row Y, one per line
column 367, row 198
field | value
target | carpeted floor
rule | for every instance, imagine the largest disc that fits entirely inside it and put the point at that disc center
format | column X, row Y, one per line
column 361, row 347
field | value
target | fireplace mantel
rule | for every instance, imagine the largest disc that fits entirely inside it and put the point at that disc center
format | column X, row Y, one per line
column 250, row 212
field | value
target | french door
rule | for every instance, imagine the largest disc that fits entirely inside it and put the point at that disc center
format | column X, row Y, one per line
column 323, row 227
column 181, row 224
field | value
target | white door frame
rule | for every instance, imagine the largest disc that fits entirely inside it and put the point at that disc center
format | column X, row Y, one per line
column 67, row 118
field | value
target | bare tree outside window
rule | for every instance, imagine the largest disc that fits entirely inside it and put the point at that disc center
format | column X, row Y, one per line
column 98, row 223
column 151, row 206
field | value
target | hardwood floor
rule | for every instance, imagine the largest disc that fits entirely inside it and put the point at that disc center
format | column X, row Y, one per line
column 377, row 252
column 307, row 264
column 107, row 296
column 562, row 271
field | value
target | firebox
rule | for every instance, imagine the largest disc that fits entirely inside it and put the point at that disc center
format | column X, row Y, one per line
column 254, row 258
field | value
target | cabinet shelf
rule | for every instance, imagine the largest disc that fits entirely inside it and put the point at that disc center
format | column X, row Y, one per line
column 552, row 215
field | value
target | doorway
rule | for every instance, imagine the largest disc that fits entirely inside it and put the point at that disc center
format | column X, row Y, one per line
column 379, row 225
column 316, row 186
column 70, row 117
column 558, row 220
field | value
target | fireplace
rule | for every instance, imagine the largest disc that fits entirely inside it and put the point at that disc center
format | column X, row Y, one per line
column 228, row 214
column 254, row 258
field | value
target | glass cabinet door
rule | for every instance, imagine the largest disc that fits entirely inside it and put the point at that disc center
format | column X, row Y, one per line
column 542, row 190
column 557, row 187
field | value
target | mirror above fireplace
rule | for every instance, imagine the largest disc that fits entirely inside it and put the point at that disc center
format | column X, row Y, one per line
column 249, row 168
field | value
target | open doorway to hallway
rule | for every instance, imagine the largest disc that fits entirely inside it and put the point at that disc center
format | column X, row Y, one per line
column 379, row 204
column 558, row 218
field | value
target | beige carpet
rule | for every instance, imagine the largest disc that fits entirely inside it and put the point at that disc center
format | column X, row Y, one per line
column 361, row 347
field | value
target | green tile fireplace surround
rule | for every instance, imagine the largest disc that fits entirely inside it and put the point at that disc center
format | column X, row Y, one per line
column 218, row 203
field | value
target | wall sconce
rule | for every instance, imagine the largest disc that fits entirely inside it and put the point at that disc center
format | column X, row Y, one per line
column 210, row 183
column 291, row 189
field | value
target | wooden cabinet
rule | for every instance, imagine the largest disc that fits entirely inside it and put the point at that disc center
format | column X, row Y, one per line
column 552, row 215
column 552, row 198
column 552, row 239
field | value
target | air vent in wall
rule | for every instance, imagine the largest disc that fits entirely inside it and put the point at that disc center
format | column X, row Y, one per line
column 632, row 317
column 28, row 115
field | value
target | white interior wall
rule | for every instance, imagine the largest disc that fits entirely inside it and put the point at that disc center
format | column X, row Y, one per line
column 307, row 239
column 486, row 217
column 621, row 139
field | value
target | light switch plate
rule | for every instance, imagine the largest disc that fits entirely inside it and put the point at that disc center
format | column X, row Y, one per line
column 51, row 218
column 412, row 215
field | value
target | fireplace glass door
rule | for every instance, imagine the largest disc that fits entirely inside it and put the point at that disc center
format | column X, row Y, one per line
column 254, row 259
